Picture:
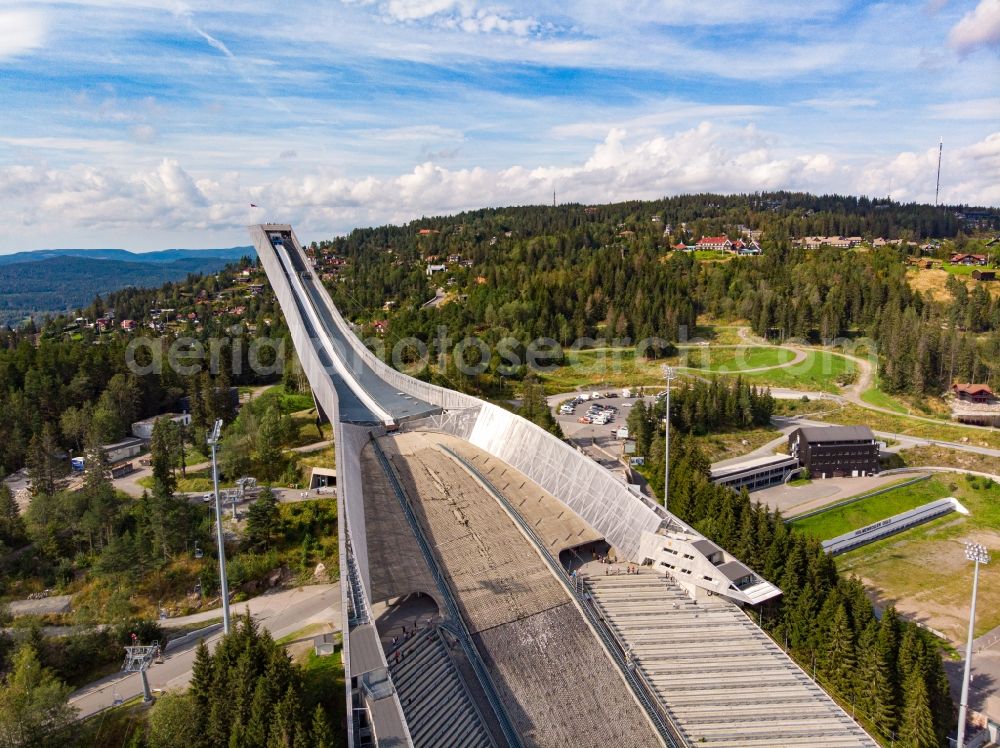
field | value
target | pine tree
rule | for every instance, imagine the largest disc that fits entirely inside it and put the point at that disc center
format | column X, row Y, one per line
column 916, row 726
column 202, row 678
column 262, row 520
column 321, row 731
column 12, row 531
column 45, row 470
column 161, row 458
column 838, row 655
column 876, row 691
column 33, row 704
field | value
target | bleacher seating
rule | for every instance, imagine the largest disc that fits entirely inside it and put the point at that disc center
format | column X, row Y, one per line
column 439, row 710
column 723, row 679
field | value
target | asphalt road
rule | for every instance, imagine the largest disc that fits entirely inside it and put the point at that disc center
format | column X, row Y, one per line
column 281, row 613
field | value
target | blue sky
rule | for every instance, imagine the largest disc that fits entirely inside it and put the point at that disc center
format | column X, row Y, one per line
column 147, row 124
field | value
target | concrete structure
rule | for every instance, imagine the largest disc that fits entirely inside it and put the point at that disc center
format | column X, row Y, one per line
column 123, row 450
column 420, row 472
column 835, row 451
column 759, row 472
column 144, row 429
column 320, row 477
column 891, row 525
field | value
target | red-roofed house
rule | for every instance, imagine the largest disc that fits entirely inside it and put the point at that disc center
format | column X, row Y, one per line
column 979, row 394
column 964, row 259
column 721, row 243
column 129, row 324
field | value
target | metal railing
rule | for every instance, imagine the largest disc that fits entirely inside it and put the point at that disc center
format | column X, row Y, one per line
column 658, row 712
column 457, row 625
column 359, row 604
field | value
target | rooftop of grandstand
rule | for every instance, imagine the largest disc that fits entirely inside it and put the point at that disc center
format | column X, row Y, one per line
column 723, row 679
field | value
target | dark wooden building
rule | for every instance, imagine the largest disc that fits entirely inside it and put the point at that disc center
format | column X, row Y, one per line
column 835, row 451
column 978, row 394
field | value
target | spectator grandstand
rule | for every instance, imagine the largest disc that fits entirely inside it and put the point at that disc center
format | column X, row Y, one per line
column 725, row 681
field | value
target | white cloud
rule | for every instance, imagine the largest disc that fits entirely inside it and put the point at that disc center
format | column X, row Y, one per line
column 456, row 15
column 968, row 109
column 834, row 103
column 978, row 28
column 101, row 201
column 21, row 31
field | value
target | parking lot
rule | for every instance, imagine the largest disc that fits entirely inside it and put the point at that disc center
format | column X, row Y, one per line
column 602, row 442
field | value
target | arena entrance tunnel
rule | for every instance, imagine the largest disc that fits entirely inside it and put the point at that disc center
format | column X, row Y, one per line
column 409, row 613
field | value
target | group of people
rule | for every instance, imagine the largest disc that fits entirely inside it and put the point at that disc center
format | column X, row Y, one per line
column 630, row 569
column 406, row 636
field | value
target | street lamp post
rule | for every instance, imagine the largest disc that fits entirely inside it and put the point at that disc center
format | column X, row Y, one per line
column 213, row 442
column 978, row 554
column 669, row 373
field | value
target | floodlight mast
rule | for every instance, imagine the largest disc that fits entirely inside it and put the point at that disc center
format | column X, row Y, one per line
column 977, row 553
column 213, row 442
column 670, row 374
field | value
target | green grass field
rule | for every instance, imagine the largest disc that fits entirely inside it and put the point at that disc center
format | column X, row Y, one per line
column 879, row 399
column 923, row 571
column 959, row 269
column 819, row 371
column 724, row 445
column 607, row 367
column 843, row 519
column 733, row 360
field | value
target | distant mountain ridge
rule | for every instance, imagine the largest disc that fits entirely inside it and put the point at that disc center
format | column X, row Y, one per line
column 47, row 282
column 124, row 255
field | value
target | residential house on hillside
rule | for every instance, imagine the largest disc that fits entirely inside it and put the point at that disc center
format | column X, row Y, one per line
column 968, row 259
column 841, row 242
column 975, row 404
column 750, row 248
column 431, row 269
column 984, row 275
column 721, row 243
column 128, row 325
column 979, row 394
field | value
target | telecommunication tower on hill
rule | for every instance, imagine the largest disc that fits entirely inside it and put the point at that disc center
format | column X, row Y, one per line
column 937, row 188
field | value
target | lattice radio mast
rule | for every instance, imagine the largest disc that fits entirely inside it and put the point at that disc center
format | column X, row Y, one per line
column 937, row 189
